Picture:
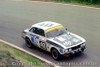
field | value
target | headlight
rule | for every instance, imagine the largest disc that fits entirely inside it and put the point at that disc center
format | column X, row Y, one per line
column 70, row 49
column 83, row 44
column 66, row 51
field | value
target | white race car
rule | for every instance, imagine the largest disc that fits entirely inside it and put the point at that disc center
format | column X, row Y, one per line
column 54, row 38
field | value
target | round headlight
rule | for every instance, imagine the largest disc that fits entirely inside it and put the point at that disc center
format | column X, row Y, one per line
column 70, row 49
column 83, row 44
column 66, row 51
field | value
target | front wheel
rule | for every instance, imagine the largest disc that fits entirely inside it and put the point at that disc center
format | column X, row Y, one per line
column 28, row 42
column 55, row 54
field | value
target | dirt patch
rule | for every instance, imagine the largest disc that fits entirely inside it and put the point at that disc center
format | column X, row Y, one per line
column 6, row 59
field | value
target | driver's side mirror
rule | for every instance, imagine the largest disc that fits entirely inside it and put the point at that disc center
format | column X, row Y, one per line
column 66, row 28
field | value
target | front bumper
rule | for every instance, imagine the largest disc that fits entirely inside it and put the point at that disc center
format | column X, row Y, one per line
column 74, row 51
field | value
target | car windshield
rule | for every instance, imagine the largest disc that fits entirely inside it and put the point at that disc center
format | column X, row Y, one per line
column 56, row 32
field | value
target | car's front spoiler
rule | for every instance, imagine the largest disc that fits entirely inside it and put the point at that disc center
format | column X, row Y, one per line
column 74, row 52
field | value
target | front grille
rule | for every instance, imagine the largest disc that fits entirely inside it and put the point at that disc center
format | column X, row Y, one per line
column 76, row 47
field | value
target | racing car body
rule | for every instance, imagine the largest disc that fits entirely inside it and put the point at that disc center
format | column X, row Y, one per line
column 54, row 38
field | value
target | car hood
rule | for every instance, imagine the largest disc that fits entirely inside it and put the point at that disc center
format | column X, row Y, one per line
column 67, row 40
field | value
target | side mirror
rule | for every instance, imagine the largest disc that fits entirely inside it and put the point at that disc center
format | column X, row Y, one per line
column 66, row 28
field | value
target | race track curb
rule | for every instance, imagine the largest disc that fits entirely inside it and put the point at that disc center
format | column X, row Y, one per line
column 29, row 53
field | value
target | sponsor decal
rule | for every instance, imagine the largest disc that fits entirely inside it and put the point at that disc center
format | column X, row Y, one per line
column 34, row 38
column 61, row 50
column 48, row 47
column 67, row 40
column 67, row 43
column 61, row 38
column 44, row 40
column 46, row 25
column 75, row 40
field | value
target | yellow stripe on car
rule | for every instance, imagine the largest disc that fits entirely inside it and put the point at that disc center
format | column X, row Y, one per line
column 53, row 28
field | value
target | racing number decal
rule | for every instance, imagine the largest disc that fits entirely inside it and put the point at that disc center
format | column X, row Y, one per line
column 49, row 25
column 43, row 45
column 46, row 25
column 68, row 43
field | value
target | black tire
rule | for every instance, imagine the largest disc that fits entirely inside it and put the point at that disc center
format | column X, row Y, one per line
column 28, row 42
column 55, row 54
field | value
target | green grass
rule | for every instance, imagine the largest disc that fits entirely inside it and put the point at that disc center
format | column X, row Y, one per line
column 28, row 58
column 17, row 54
column 4, row 58
column 5, row 54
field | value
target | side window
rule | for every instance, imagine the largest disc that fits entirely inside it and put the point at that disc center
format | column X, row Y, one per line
column 37, row 31
column 40, row 32
column 32, row 29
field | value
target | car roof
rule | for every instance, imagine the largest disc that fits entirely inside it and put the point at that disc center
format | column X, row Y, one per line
column 46, row 25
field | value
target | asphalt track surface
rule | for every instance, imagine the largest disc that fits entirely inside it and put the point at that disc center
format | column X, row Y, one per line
column 16, row 16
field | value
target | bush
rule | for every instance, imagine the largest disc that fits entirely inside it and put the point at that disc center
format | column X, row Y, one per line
column 82, row 1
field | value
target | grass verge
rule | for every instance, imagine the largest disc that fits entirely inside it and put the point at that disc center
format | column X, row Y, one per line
column 10, row 57
column 87, row 2
column 75, row 2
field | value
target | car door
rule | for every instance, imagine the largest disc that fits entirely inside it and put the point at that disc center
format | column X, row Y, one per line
column 42, row 38
column 38, row 37
column 33, row 36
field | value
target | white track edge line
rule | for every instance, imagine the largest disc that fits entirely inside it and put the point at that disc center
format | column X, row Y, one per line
column 31, row 54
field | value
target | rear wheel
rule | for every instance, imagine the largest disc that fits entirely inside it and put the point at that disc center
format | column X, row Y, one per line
column 55, row 54
column 28, row 42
